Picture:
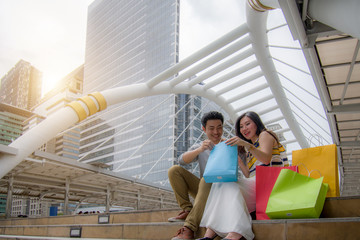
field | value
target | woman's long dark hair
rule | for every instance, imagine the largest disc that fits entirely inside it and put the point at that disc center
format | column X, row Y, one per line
column 260, row 127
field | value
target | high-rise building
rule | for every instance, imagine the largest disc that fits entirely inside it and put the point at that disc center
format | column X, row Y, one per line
column 12, row 122
column 29, row 207
column 19, row 207
column 68, row 89
column 2, row 205
column 21, row 86
column 187, row 126
column 127, row 42
column 187, row 122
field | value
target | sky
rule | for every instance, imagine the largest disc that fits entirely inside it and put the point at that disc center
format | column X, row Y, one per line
column 48, row 34
column 51, row 35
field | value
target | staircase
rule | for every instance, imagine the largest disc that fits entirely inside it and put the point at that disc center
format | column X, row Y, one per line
column 340, row 219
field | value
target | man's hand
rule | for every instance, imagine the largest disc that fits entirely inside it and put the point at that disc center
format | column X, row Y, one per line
column 189, row 156
column 207, row 144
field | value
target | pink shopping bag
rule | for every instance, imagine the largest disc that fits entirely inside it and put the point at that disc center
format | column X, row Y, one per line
column 265, row 180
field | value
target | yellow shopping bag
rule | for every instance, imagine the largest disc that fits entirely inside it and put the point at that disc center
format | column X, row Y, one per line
column 323, row 159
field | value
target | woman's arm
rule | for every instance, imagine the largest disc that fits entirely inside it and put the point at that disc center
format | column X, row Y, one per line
column 264, row 152
column 243, row 168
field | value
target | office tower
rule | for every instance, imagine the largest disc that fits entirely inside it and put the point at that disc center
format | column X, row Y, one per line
column 187, row 126
column 68, row 89
column 127, row 42
column 21, row 86
column 12, row 122
column 19, row 207
column 187, row 122
column 2, row 205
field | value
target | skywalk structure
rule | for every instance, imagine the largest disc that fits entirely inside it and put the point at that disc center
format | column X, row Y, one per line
column 130, row 42
column 317, row 104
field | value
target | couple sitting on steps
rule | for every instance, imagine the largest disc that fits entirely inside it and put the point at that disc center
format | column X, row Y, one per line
column 223, row 208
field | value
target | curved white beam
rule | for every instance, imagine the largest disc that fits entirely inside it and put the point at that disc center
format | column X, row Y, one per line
column 68, row 116
column 228, row 38
column 37, row 136
column 214, row 90
column 257, row 22
column 126, row 93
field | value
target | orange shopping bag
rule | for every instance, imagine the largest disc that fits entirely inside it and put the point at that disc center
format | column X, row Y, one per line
column 323, row 159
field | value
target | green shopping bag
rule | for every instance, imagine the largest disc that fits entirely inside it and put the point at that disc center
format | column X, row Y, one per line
column 296, row 196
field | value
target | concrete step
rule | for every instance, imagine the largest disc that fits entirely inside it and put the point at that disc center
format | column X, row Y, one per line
column 299, row 229
column 338, row 207
column 118, row 217
column 340, row 219
column 330, row 229
column 47, row 238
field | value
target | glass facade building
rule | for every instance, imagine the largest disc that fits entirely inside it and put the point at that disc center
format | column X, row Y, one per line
column 131, row 42
column 12, row 122
column 127, row 42
column 2, row 205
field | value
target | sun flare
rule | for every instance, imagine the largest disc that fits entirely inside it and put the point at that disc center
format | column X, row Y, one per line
column 49, row 82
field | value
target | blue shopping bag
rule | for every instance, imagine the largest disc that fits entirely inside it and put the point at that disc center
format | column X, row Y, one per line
column 222, row 165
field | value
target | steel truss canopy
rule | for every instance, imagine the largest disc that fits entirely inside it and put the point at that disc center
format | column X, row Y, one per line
column 56, row 179
column 306, row 82
column 329, row 34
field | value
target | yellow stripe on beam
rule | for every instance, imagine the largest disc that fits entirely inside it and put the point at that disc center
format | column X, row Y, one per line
column 90, row 104
column 100, row 99
column 79, row 109
column 258, row 6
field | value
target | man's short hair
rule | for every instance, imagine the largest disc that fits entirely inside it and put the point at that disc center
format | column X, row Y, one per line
column 213, row 115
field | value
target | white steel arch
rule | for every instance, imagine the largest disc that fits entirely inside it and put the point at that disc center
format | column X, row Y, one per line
column 226, row 71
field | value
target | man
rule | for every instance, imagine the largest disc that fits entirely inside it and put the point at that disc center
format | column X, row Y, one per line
column 185, row 183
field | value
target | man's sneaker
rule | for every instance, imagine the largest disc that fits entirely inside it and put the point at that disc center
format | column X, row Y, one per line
column 179, row 218
column 184, row 233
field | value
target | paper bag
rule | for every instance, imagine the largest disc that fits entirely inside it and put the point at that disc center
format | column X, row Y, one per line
column 222, row 165
column 296, row 196
column 265, row 179
column 323, row 159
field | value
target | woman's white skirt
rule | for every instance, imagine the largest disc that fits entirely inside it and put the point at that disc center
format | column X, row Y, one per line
column 228, row 208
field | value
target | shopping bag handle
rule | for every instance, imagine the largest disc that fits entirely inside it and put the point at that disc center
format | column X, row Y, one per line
column 314, row 171
column 315, row 137
column 309, row 172
column 282, row 163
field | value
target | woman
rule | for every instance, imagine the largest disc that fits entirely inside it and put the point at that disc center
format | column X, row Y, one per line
column 227, row 211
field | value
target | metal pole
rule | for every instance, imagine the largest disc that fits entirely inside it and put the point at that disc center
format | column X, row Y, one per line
column 9, row 197
column 108, row 198
column 66, row 200
column 138, row 200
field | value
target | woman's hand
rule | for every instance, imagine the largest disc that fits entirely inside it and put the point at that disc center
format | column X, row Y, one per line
column 237, row 141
